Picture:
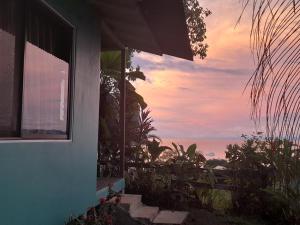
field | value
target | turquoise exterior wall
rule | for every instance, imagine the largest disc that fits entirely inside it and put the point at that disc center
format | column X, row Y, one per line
column 118, row 186
column 43, row 182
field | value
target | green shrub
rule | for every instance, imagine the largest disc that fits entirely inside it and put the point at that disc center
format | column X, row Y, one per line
column 218, row 200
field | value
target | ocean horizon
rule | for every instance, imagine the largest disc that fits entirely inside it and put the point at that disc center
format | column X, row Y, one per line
column 210, row 148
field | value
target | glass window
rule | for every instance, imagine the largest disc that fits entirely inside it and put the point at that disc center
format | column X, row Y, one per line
column 46, row 72
column 9, row 77
column 45, row 93
column 35, row 59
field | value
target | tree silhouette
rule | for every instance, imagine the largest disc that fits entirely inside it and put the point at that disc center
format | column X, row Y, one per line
column 195, row 16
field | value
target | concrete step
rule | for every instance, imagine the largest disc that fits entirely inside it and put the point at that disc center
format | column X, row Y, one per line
column 129, row 202
column 170, row 217
column 145, row 213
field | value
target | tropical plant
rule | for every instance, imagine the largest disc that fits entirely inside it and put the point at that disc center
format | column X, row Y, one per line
column 103, row 214
column 109, row 128
column 136, row 113
column 146, row 128
column 212, row 163
column 106, row 213
column 274, row 84
column 73, row 221
column 190, row 156
column 248, row 163
column 142, row 138
column 267, row 179
column 283, row 208
column 155, row 149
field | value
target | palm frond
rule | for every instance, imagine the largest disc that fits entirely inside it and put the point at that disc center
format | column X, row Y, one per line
column 275, row 83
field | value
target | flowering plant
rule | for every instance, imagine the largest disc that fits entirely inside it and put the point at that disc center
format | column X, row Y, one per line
column 102, row 214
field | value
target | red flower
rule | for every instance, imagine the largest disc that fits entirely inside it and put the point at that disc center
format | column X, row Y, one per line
column 90, row 218
column 109, row 219
column 102, row 201
column 118, row 199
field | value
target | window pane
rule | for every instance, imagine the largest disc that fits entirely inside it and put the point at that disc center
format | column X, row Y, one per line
column 45, row 94
column 9, row 77
column 46, row 73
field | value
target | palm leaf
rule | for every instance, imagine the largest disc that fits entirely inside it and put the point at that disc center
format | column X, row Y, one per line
column 136, row 74
column 274, row 85
column 182, row 149
column 191, row 151
column 176, row 148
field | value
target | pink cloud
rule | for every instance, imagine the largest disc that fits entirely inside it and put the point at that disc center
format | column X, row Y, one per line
column 203, row 99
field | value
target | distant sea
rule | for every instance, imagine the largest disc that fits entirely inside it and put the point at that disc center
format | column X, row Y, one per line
column 211, row 148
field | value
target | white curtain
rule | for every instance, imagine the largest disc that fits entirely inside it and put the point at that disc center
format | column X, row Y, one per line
column 46, row 74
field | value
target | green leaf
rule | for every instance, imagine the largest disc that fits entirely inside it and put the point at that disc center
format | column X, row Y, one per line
column 134, row 75
column 191, row 151
column 111, row 60
column 176, row 148
column 182, row 149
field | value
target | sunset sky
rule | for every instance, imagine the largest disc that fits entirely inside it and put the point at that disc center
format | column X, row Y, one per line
column 203, row 101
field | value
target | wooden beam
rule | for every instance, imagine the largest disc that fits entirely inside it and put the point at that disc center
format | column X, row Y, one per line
column 129, row 13
column 107, row 31
column 160, row 25
column 122, row 112
column 114, row 3
column 126, row 21
column 167, row 21
column 121, row 25
column 139, row 43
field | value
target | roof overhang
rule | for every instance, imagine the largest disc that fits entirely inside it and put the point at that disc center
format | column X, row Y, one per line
column 155, row 26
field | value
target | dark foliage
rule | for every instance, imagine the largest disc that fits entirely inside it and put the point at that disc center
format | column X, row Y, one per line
column 195, row 16
column 267, row 177
column 212, row 163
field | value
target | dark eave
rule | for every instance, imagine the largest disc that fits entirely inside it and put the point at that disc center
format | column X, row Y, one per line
column 155, row 26
column 166, row 19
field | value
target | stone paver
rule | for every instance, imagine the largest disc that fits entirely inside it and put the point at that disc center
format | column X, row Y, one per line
column 170, row 217
column 129, row 202
column 148, row 214
column 145, row 212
